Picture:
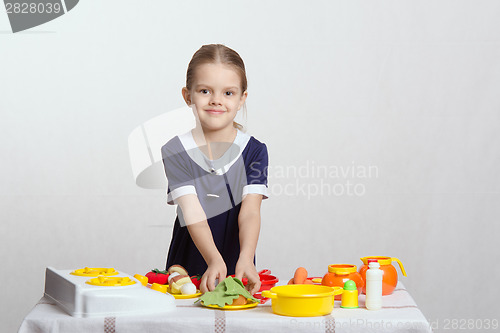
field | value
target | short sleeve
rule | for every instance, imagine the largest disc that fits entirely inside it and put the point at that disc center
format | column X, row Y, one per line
column 256, row 171
column 179, row 177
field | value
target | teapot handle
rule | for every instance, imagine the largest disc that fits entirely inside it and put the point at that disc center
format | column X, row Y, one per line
column 400, row 265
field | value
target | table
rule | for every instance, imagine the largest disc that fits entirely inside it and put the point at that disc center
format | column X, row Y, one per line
column 399, row 314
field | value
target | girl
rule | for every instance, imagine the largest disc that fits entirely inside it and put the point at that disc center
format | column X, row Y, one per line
column 217, row 175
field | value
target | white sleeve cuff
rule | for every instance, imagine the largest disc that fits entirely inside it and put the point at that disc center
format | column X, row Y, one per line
column 256, row 189
column 179, row 192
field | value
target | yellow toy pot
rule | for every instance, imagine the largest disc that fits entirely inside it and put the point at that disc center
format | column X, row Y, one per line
column 302, row 300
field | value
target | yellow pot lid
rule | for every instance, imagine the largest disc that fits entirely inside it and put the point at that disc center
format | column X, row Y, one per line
column 111, row 281
column 94, row 271
column 342, row 269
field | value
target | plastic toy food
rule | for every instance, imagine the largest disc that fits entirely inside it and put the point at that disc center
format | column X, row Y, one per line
column 227, row 292
column 176, row 283
column 390, row 277
column 244, row 280
column 241, row 300
column 171, row 276
column 176, row 276
column 188, row 289
column 177, row 268
column 157, row 276
column 196, row 280
column 300, row 277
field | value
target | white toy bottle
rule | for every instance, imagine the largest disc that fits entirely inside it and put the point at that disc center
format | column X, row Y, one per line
column 374, row 285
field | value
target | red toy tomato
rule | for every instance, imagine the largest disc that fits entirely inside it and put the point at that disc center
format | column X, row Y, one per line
column 157, row 276
column 196, row 280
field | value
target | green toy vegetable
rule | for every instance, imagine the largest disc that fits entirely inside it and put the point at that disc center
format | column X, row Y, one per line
column 225, row 292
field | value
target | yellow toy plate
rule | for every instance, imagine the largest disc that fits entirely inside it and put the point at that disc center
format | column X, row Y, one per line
column 232, row 307
column 181, row 296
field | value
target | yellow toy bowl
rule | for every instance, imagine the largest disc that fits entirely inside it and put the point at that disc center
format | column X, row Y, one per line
column 302, row 300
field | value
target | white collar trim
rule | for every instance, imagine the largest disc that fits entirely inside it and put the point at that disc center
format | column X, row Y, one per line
column 221, row 165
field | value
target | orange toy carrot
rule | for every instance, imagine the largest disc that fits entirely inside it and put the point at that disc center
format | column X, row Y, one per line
column 300, row 275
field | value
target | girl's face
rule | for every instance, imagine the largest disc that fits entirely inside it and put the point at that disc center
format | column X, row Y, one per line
column 216, row 94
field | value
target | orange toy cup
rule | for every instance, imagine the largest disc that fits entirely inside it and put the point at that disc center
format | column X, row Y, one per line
column 390, row 278
column 338, row 274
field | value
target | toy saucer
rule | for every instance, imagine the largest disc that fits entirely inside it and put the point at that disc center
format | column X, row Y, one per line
column 232, row 307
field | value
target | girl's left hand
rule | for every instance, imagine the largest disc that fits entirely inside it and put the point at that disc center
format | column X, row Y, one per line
column 246, row 268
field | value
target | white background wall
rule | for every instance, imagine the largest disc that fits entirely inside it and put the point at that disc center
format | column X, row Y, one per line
column 408, row 87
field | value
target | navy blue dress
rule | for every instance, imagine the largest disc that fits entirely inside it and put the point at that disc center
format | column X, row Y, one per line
column 220, row 186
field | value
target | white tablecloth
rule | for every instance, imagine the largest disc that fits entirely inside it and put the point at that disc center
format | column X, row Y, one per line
column 399, row 314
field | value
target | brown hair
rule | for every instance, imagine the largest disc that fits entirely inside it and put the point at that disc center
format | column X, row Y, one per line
column 217, row 53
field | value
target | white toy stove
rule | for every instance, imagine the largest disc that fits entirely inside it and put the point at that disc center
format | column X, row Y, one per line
column 94, row 292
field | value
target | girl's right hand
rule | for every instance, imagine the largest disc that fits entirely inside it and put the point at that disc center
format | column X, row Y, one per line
column 215, row 270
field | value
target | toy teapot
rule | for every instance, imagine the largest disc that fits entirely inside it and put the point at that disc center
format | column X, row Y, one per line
column 390, row 278
column 339, row 274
